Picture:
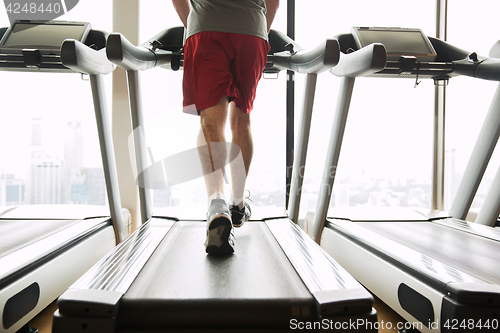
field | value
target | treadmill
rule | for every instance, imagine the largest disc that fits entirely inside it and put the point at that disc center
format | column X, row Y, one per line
column 161, row 280
column 43, row 250
column 436, row 270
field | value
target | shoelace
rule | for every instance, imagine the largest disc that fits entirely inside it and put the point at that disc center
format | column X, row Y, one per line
column 247, row 197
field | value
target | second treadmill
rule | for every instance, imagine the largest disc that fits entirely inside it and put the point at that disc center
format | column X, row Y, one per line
column 43, row 251
column 438, row 272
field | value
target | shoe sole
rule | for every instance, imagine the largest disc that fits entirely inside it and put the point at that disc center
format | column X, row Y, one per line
column 218, row 235
column 238, row 225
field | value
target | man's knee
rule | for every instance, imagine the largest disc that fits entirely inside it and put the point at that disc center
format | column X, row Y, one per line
column 239, row 120
column 212, row 125
column 213, row 119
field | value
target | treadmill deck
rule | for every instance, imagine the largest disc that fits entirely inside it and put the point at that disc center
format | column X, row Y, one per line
column 17, row 233
column 469, row 253
column 181, row 283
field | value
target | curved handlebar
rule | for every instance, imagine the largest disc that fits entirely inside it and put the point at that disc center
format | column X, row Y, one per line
column 450, row 61
column 288, row 55
column 81, row 58
column 128, row 56
column 368, row 60
column 317, row 60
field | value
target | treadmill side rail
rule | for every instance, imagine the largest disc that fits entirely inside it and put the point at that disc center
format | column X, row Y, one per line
column 124, row 263
column 458, row 317
column 480, row 294
column 26, row 258
column 98, row 303
column 62, row 323
column 336, row 292
column 471, row 227
column 435, row 273
column 94, row 298
column 476, row 304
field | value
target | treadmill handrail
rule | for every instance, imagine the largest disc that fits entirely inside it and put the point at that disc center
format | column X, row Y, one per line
column 488, row 69
column 368, row 60
column 123, row 53
column 323, row 57
column 130, row 57
column 81, row 58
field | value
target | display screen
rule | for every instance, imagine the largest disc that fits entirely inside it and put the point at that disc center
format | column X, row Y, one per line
column 397, row 41
column 43, row 35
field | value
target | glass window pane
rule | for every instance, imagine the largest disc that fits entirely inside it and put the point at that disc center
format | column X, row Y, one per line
column 169, row 131
column 468, row 99
column 50, row 150
column 386, row 158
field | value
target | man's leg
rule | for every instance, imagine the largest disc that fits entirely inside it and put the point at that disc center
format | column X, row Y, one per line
column 241, row 157
column 213, row 152
column 212, row 145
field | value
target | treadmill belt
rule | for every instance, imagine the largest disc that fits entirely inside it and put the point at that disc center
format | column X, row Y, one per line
column 466, row 252
column 256, row 287
column 16, row 234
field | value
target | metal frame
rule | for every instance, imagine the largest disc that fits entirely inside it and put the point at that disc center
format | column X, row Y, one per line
column 74, row 55
column 136, row 112
column 490, row 211
column 290, row 105
column 480, row 157
column 438, row 167
column 332, row 158
column 108, row 156
column 297, row 179
column 366, row 61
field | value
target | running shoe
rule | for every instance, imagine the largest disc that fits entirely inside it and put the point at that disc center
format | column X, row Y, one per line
column 220, row 238
column 240, row 216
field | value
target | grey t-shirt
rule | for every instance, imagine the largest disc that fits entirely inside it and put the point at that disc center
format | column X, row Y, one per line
column 246, row 17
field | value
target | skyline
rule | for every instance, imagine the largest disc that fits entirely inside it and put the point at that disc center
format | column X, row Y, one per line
column 363, row 186
column 54, row 178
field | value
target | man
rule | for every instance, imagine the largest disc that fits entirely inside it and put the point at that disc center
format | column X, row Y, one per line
column 224, row 56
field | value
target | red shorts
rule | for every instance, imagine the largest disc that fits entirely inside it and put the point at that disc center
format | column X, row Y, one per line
column 218, row 64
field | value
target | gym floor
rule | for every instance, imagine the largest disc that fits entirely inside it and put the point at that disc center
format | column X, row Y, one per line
column 43, row 322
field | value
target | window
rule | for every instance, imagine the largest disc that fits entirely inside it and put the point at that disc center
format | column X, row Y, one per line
column 386, row 157
column 50, row 151
column 169, row 131
column 468, row 99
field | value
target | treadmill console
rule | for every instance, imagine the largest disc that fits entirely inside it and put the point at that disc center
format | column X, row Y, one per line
column 397, row 41
column 44, row 36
